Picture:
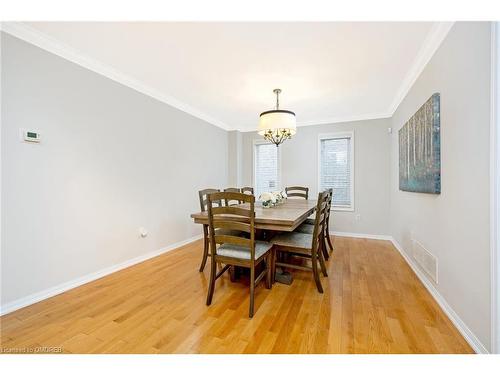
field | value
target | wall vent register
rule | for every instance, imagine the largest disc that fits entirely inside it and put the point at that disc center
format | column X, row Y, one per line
column 426, row 260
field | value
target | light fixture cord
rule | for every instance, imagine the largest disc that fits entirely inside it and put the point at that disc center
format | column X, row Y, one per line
column 277, row 100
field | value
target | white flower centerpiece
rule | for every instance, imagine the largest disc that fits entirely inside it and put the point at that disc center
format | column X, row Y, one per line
column 272, row 199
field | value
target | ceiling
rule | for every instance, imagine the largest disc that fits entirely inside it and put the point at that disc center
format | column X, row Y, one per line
column 225, row 72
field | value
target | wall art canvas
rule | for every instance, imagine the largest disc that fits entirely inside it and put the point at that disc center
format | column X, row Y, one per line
column 420, row 150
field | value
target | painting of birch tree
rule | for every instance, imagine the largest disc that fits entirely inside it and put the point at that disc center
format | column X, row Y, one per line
column 420, row 150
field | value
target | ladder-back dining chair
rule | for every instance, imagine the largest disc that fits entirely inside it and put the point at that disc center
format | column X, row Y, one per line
column 305, row 245
column 232, row 202
column 297, row 191
column 308, row 226
column 232, row 250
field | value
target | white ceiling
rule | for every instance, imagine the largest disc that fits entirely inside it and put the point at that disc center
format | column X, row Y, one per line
column 225, row 72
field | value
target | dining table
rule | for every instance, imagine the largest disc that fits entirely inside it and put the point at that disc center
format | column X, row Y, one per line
column 284, row 217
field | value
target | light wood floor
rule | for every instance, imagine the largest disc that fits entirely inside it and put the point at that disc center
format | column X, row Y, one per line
column 373, row 303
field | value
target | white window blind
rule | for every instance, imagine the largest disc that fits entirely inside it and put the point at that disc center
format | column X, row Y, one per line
column 336, row 168
column 266, row 168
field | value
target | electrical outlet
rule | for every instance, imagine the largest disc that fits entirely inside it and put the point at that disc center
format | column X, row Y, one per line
column 412, row 235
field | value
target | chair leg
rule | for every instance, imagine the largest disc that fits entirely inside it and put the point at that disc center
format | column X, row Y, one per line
column 273, row 276
column 232, row 274
column 328, row 238
column 252, row 290
column 322, row 264
column 268, row 270
column 330, row 244
column 316, row 273
column 273, row 265
column 324, row 250
column 205, row 248
column 211, row 286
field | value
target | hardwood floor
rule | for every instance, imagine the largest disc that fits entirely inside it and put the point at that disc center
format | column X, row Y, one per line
column 373, row 303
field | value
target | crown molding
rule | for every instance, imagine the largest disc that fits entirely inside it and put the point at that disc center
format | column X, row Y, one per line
column 434, row 39
column 22, row 31
column 45, row 42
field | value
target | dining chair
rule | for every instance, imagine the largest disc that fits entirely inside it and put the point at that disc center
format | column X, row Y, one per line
column 236, row 250
column 308, row 226
column 202, row 194
column 297, row 191
column 304, row 244
column 247, row 190
column 232, row 202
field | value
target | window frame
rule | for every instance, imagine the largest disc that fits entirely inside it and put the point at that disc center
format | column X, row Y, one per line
column 255, row 143
column 339, row 135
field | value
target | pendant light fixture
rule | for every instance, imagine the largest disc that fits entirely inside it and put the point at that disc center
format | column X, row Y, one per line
column 277, row 125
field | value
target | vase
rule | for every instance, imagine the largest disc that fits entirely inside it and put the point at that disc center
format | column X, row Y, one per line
column 267, row 204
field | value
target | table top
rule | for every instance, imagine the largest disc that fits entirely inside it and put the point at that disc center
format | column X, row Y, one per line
column 284, row 217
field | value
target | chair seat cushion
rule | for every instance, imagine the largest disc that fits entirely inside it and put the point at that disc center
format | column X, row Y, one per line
column 293, row 239
column 240, row 252
column 305, row 228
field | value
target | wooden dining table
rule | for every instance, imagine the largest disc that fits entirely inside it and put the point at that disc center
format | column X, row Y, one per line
column 285, row 217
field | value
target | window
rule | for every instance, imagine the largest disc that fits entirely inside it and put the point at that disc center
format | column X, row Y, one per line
column 336, row 168
column 266, row 168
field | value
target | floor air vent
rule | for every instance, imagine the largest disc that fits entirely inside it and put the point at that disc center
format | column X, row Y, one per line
column 427, row 261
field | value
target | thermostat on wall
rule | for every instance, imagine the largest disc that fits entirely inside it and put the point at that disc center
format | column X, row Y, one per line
column 31, row 136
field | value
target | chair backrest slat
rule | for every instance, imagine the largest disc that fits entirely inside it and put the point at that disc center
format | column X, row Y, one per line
column 329, row 206
column 232, row 225
column 231, row 210
column 297, row 191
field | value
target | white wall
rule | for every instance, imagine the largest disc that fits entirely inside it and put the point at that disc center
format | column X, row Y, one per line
column 234, row 160
column 299, row 165
column 111, row 160
column 454, row 225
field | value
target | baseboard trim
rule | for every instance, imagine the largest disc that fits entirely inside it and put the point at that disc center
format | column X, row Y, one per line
column 468, row 335
column 361, row 235
column 61, row 288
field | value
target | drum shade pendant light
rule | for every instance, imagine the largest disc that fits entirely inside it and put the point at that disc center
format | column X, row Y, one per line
column 277, row 125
